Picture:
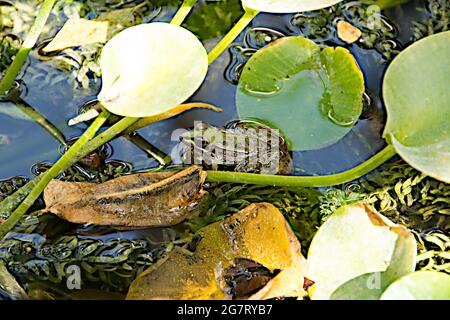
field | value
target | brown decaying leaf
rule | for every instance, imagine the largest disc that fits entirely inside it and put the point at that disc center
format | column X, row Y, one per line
column 79, row 32
column 348, row 32
column 138, row 200
column 258, row 233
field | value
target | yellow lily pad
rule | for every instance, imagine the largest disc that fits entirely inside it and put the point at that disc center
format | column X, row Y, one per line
column 259, row 233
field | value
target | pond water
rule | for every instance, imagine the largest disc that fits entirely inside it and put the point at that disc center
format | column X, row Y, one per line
column 25, row 143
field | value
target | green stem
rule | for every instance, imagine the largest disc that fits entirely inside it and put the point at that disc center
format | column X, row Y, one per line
column 183, row 12
column 79, row 150
column 52, row 173
column 14, row 69
column 232, row 34
column 162, row 158
column 11, row 202
column 300, row 181
column 37, row 117
column 103, row 138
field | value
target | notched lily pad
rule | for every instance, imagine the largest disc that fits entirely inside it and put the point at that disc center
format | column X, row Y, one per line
column 288, row 6
column 354, row 241
column 256, row 242
column 150, row 199
column 314, row 95
column 144, row 73
column 417, row 97
column 420, row 285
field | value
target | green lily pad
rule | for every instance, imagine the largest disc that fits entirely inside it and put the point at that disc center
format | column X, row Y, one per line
column 288, row 6
column 151, row 68
column 420, row 285
column 370, row 286
column 417, row 97
column 354, row 241
column 314, row 95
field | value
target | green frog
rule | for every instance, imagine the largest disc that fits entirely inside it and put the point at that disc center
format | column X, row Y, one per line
column 241, row 146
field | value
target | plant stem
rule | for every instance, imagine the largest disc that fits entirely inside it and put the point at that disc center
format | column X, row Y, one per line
column 37, row 117
column 102, row 138
column 14, row 69
column 11, row 202
column 301, row 181
column 84, row 144
column 183, row 12
column 52, row 173
column 143, row 122
column 152, row 151
column 232, row 34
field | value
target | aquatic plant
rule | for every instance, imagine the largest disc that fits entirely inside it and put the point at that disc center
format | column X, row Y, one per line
column 110, row 97
column 113, row 264
column 10, row 76
column 424, row 145
column 328, row 83
column 419, row 285
column 397, row 190
column 341, row 265
column 437, row 19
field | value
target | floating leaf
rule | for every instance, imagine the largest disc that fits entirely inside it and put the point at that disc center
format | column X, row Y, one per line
column 150, row 199
column 354, row 241
column 151, row 68
column 79, row 32
column 288, row 6
column 257, row 235
column 417, row 98
column 347, row 32
column 314, row 96
column 420, row 285
column 370, row 286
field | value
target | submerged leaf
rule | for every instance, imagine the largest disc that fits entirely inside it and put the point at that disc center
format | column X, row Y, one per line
column 150, row 199
column 354, row 241
column 313, row 96
column 79, row 32
column 151, row 68
column 288, row 6
column 417, row 96
column 274, row 266
column 10, row 285
column 420, row 285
